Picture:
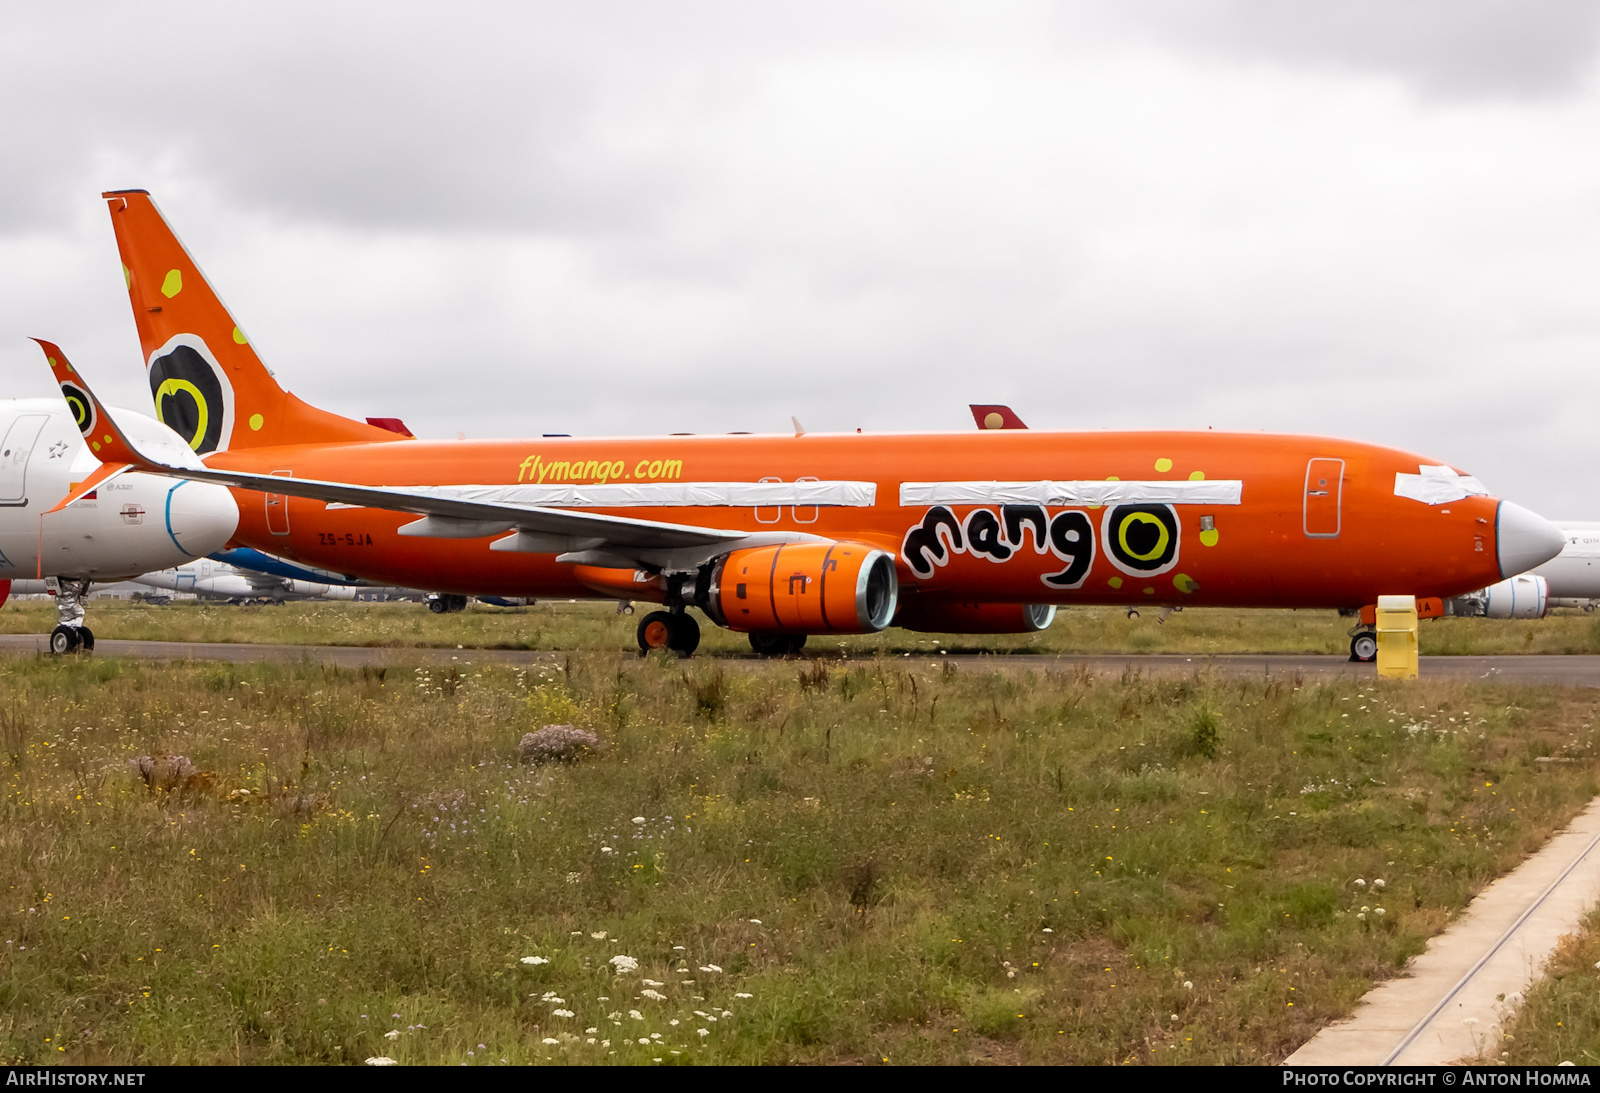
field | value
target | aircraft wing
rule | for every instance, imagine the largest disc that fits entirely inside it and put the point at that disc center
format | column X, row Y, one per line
column 445, row 512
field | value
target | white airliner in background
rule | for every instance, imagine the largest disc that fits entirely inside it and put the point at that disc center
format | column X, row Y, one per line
column 136, row 523
column 1570, row 579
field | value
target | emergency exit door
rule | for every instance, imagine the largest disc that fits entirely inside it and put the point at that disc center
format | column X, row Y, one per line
column 1324, row 492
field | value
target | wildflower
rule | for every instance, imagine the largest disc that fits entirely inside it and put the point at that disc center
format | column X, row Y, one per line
column 674, row 1021
column 744, row 994
column 1379, row 911
column 727, row 1013
column 562, row 1013
column 1360, row 883
column 654, row 996
column 650, row 983
column 535, row 960
column 550, row 996
column 710, row 968
column 645, row 1040
column 601, row 936
column 638, row 819
column 636, row 1015
column 392, row 1034
column 755, row 922
column 590, row 1032
column 380, row 1060
column 1188, row 985
column 546, row 1040
column 624, row 964
column 703, row 1032
column 1378, row 883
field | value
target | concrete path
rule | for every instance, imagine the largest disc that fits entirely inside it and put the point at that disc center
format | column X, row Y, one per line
column 1454, row 996
column 1564, row 671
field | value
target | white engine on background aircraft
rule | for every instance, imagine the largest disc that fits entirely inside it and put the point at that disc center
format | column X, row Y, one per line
column 131, row 524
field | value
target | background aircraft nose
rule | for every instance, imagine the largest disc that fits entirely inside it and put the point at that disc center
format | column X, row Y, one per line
column 1524, row 539
column 201, row 517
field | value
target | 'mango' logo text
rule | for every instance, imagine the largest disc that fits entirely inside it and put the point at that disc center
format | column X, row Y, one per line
column 535, row 469
column 999, row 535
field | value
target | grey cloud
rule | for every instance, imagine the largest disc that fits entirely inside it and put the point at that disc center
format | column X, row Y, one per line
column 1442, row 47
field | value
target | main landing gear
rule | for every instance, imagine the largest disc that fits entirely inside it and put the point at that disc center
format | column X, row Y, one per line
column 777, row 645
column 70, row 635
column 675, row 630
column 1363, row 645
column 446, row 603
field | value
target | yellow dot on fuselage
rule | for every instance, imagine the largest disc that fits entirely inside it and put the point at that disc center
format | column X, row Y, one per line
column 1197, row 476
column 1185, row 583
column 1115, row 582
column 238, row 336
column 173, row 284
column 1150, row 591
column 256, row 421
column 1208, row 537
column 1163, row 464
column 1112, row 478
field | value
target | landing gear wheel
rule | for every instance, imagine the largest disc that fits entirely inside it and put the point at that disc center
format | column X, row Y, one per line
column 86, row 639
column 64, row 640
column 437, row 605
column 685, row 634
column 655, row 632
column 1364, row 647
column 777, row 645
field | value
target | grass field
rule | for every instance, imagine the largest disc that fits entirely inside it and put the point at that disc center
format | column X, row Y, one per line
column 810, row 862
column 562, row 625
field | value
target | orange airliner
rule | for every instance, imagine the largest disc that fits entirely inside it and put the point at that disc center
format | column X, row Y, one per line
column 784, row 536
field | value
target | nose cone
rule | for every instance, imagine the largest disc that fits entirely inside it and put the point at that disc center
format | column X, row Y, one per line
column 1524, row 539
column 201, row 517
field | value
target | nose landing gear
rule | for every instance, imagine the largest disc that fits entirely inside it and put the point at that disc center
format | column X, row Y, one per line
column 70, row 635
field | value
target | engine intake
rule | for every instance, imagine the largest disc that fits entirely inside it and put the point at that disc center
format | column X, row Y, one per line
column 804, row 588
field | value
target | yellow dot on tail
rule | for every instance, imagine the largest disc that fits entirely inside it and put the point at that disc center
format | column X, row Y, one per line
column 1208, row 538
column 993, row 421
column 95, row 445
column 1115, row 582
column 1163, row 464
column 1185, row 583
column 238, row 336
column 106, row 438
column 256, row 422
column 1197, row 476
column 173, row 284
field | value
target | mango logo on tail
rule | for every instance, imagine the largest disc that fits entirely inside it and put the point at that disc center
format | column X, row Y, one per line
column 192, row 395
column 81, row 405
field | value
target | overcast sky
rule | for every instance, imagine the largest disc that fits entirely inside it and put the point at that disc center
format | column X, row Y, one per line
column 1368, row 219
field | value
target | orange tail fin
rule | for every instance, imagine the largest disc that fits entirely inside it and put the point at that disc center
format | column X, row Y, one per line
column 208, row 383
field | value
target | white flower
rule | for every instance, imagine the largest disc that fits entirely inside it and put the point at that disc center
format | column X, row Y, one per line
column 605, row 1043
column 645, row 1040
column 638, row 819
column 1378, row 883
column 743, row 994
column 636, row 1015
column 601, row 936
column 674, row 1021
column 1187, row 985
column 1379, row 911
column 727, row 1013
column 380, row 1060
column 655, row 1036
column 755, row 922
column 650, row 983
column 703, row 1031
column 590, row 1040
column 535, row 960
column 624, row 964
column 550, row 1040
column 654, row 996
column 561, row 1013
column 392, row 1034
column 590, row 1031
column 550, row 996
column 607, row 850
column 710, row 968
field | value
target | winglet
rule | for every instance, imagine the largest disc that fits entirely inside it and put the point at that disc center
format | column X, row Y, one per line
column 105, row 439
column 995, row 417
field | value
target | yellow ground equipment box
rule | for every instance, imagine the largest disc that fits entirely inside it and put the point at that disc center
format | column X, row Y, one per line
column 1397, row 637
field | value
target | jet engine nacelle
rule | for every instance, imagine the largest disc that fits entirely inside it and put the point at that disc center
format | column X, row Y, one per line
column 804, row 588
column 1524, row 596
column 976, row 618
